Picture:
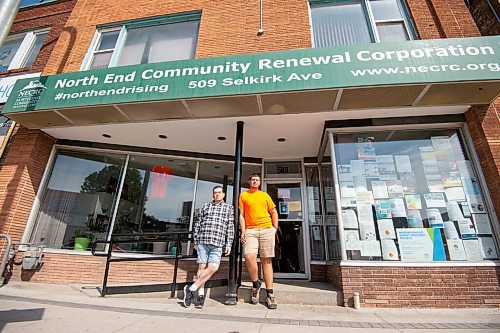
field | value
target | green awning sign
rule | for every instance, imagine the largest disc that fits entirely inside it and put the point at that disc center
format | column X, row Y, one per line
column 413, row 62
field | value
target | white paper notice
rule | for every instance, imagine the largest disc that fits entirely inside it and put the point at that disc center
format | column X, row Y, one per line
column 403, row 163
column 455, row 193
column 466, row 228
column 365, row 212
column 450, row 232
column 370, row 248
column 454, row 212
column 456, row 249
column 386, row 229
column 488, row 248
column 379, row 189
column 349, row 219
column 347, row 190
column 473, row 249
column 398, row 207
column 482, row 222
column 389, row 249
column 435, row 219
column 477, row 208
column 351, row 240
column 358, row 167
column 359, row 184
column 365, row 198
column 434, row 200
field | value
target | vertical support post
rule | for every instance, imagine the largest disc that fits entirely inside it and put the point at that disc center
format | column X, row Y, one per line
column 232, row 292
column 106, row 271
column 173, row 287
column 8, row 13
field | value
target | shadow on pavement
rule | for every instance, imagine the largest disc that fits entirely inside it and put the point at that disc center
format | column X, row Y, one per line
column 17, row 316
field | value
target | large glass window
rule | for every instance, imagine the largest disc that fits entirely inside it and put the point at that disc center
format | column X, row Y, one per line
column 21, row 50
column 78, row 202
column 145, row 42
column 411, row 196
column 315, row 219
column 349, row 22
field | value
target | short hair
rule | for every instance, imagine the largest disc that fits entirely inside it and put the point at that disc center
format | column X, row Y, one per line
column 254, row 175
column 216, row 187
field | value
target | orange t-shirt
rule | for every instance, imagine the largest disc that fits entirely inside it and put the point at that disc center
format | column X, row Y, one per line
column 256, row 207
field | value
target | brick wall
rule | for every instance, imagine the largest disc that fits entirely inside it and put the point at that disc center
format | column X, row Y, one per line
column 485, row 17
column 53, row 15
column 420, row 287
column 226, row 28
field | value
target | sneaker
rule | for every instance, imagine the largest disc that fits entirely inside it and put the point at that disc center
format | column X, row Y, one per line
column 254, row 299
column 188, row 296
column 271, row 302
column 201, row 302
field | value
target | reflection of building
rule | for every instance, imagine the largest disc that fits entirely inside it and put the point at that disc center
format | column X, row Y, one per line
column 304, row 96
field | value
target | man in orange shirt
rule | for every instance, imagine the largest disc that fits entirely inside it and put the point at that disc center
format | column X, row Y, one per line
column 258, row 224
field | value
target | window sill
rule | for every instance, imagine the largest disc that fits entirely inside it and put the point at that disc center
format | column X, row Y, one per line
column 359, row 263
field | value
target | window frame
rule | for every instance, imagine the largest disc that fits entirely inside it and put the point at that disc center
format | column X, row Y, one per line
column 370, row 19
column 123, row 28
column 25, row 48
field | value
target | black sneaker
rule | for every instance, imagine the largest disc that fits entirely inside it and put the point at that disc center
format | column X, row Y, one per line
column 254, row 299
column 201, row 302
column 271, row 302
column 188, row 296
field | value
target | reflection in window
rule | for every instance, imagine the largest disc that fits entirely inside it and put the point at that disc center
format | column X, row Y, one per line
column 411, row 196
column 157, row 196
column 315, row 220
column 21, row 50
column 77, row 205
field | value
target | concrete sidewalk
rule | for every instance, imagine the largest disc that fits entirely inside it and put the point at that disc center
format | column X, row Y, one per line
column 30, row 307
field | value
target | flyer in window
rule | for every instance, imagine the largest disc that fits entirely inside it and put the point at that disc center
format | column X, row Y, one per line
column 403, row 163
column 422, row 244
column 366, row 228
column 482, row 222
column 456, row 249
column 395, row 188
column 383, row 209
column 488, row 248
column 475, row 199
column 471, row 186
column 358, row 167
column 386, row 167
column 454, row 212
column 365, row 198
column 473, row 249
column 415, row 219
column 351, row 240
column 466, row 228
column 477, row 208
column 428, row 155
column 344, row 173
column 450, row 232
column 435, row 183
column 435, row 219
column 348, row 202
column 398, row 207
column 434, row 200
column 443, row 148
column 413, row 201
column 389, row 249
column 465, row 209
column 366, row 148
column 386, row 229
column 347, row 190
column 379, row 188
column 371, row 170
column 451, row 179
column 283, row 193
column 316, row 232
column 455, row 193
column 370, row 248
column 465, row 168
column 409, row 182
column 349, row 219
column 359, row 184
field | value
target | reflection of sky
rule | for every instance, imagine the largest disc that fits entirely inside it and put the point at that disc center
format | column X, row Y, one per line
column 25, row 3
column 69, row 172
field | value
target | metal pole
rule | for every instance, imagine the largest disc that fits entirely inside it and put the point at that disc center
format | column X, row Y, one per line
column 232, row 292
column 8, row 12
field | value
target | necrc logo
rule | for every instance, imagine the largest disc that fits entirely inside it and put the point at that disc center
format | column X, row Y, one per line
column 29, row 95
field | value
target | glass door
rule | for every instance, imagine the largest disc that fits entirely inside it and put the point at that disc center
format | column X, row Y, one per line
column 289, row 253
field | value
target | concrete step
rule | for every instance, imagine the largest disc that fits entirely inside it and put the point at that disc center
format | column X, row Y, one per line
column 287, row 292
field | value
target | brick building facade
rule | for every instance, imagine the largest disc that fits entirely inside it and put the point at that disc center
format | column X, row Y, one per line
column 230, row 29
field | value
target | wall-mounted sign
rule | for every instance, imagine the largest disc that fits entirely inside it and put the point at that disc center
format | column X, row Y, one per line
column 413, row 62
column 7, row 84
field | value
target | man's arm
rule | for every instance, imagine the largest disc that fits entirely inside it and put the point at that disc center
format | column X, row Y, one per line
column 196, row 228
column 230, row 230
column 274, row 218
column 243, row 227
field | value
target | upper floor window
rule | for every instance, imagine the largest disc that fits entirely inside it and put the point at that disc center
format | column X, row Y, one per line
column 145, row 41
column 20, row 50
column 348, row 22
column 28, row 3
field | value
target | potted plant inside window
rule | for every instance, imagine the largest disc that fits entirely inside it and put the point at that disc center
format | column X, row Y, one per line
column 82, row 240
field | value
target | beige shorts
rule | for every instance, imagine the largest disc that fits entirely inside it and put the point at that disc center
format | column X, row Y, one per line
column 261, row 241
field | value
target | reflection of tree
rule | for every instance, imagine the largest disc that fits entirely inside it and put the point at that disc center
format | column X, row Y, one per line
column 106, row 180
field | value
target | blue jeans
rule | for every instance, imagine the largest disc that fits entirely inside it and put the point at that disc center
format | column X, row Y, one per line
column 209, row 254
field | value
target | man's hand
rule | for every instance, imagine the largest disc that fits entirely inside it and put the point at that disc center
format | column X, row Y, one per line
column 228, row 250
column 243, row 236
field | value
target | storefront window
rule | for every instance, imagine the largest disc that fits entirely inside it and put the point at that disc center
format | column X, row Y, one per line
column 316, row 231
column 157, row 196
column 78, row 202
column 411, row 196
